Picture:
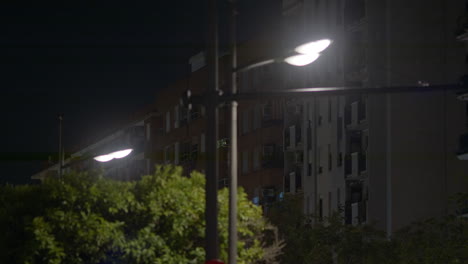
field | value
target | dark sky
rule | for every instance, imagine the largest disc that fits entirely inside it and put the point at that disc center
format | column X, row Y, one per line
column 96, row 62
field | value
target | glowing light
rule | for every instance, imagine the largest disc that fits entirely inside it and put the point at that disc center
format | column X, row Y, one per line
column 121, row 153
column 114, row 155
column 302, row 59
column 104, row 158
column 313, row 47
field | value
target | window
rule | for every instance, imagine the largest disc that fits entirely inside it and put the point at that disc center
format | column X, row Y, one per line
column 365, row 140
column 329, row 110
column 268, row 154
column 185, row 152
column 245, row 122
column 329, row 204
column 329, row 158
column 319, row 112
column 176, row 116
column 168, row 122
column 319, row 159
column 320, row 209
column 338, row 199
column 256, row 158
column 267, row 111
column 202, row 143
column 292, row 136
column 256, row 119
column 269, row 195
column 245, row 162
column 466, row 114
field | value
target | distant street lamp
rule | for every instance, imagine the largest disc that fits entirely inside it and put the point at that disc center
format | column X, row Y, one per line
column 113, row 155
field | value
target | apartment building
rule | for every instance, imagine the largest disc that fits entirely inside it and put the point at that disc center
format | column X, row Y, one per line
column 388, row 159
column 180, row 134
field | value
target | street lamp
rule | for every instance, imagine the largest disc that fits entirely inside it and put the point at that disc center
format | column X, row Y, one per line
column 308, row 52
column 113, row 155
column 305, row 54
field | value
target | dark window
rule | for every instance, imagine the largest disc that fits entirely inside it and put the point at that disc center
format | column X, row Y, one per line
column 466, row 114
column 320, row 209
column 338, row 199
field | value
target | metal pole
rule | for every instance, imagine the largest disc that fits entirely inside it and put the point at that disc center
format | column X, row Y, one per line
column 211, row 188
column 60, row 159
column 233, row 180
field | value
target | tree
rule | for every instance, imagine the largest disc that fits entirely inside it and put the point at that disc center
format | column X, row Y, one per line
column 85, row 218
column 312, row 240
column 434, row 241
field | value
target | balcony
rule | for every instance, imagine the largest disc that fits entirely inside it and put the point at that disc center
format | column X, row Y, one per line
column 355, row 165
column 355, row 115
column 355, row 212
column 293, row 137
column 293, row 181
column 269, row 196
column 462, row 152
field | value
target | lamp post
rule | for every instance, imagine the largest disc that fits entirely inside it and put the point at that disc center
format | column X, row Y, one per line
column 232, row 235
column 211, row 103
column 305, row 54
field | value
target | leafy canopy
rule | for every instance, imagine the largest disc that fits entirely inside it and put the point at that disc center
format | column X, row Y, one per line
column 85, row 218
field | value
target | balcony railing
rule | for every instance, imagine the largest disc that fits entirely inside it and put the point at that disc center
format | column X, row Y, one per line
column 355, row 164
column 293, row 137
column 293, row 181
column 355, row 113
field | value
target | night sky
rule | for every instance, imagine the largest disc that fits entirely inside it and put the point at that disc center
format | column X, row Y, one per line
column 97, row 63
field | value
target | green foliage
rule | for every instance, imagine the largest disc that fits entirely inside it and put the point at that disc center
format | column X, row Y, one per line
column 85, row 218
column 434, row 241
column 309, row 240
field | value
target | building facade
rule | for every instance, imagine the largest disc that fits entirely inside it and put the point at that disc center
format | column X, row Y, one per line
column 388, row 159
